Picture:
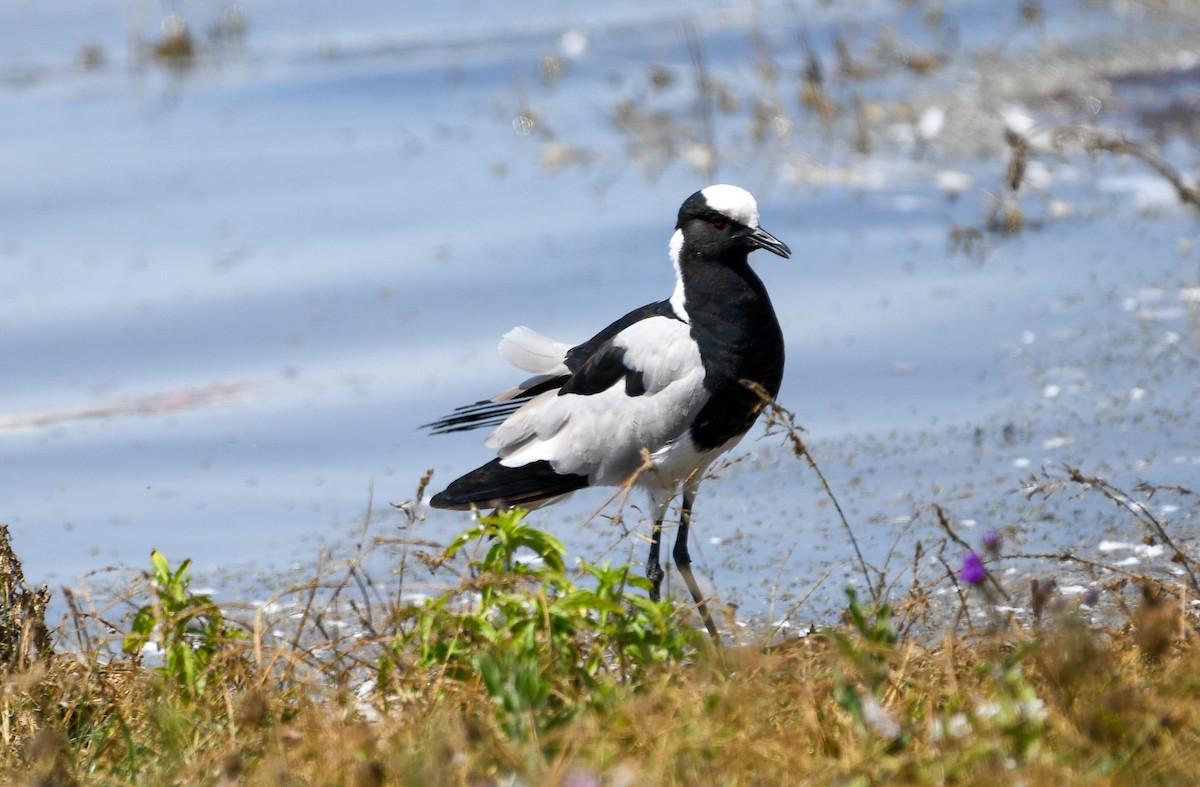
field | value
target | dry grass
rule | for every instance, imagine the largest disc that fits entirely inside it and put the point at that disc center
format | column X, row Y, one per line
column 1109, row 713
column 878, row 698
column 337, row 681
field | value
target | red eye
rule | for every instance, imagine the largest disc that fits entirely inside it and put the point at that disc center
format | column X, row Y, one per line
column 718, row 221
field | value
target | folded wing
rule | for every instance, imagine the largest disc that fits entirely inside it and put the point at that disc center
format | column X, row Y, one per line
column 637, row 391
column 588, row 413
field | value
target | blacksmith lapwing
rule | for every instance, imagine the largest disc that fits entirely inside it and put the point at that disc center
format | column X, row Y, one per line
column 680, row 381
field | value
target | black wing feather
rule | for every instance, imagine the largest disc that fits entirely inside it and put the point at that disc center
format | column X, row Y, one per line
column 580, row 354
column 489, row 412
column 595, row 366
column 497, row 486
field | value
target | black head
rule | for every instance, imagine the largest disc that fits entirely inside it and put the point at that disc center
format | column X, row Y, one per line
column 721, row 219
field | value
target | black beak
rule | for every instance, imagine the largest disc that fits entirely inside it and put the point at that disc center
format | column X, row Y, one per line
column 758, row 238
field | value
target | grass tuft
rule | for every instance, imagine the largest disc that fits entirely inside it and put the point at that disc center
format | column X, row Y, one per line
column 527, row 671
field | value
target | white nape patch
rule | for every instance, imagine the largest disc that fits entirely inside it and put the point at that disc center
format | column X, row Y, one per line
column 734, row 201
column 677, row 297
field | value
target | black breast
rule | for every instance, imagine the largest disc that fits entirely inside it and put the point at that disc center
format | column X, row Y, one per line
column 739, row 337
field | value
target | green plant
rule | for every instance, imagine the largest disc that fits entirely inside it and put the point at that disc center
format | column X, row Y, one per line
column 189, row 628
column 1015, row 711
column 542, row 647
column 868, row 651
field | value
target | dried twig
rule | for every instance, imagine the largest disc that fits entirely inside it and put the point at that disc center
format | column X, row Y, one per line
column 778, row 416
column 1142, row 514
column 1095, row 140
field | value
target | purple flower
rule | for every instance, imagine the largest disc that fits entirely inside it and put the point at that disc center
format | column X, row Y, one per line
column 972, row 571
column 991, row 540
column 582, row 778
column 1091, row 596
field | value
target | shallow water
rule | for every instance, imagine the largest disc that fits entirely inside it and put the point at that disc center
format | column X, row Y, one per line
column 233, row 290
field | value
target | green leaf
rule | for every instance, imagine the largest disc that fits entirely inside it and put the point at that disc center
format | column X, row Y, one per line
column 162, row 569
column 140, row 631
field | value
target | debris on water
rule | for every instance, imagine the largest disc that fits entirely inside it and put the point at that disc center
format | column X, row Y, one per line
column 175, row 46
column 930, row 124
column 954, row 182
column 884, row 153
column 573, row 43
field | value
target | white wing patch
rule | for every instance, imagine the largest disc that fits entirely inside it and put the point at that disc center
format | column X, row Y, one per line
column 734, row 201
column 602, row 435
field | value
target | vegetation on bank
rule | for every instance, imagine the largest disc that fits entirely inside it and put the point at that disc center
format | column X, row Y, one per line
column 528, row 672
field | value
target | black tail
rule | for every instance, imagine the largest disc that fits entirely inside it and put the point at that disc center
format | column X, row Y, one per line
column 492, row 412
column 497, row 486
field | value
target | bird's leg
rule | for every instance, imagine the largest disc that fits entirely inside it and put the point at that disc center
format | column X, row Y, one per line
column 654, row 571
column 683, row 561
column 680, row 553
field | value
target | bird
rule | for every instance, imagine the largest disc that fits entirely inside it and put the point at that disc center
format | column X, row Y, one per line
column 678, row 382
